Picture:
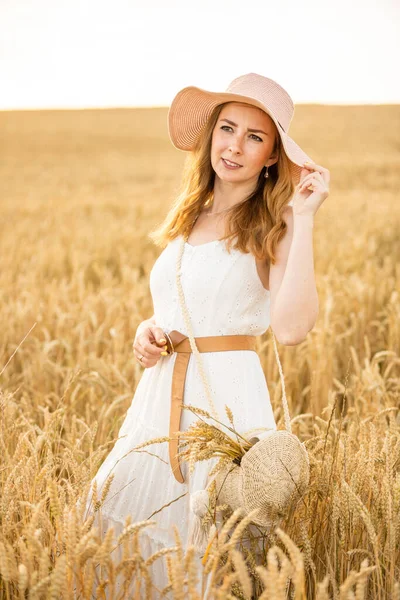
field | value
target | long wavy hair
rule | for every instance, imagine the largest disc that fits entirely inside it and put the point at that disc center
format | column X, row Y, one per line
column 253, row 225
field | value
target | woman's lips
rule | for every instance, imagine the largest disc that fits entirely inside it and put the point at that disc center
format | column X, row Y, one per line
column 230, row 166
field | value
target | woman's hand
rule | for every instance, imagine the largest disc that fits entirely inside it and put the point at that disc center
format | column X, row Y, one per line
column 312, row 189
column 150, row 343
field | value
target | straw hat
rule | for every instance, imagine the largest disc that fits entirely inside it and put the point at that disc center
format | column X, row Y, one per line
column 192, row 106
column 272, row 477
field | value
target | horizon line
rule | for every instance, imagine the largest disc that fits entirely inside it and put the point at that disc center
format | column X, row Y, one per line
column 151, row 106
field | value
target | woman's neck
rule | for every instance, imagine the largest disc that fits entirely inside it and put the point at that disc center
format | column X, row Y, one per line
column 226, row 194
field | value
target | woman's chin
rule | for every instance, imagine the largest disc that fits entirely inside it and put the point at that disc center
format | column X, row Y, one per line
column 225, row 175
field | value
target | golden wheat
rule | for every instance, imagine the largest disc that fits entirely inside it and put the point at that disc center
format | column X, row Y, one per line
column 80, row 191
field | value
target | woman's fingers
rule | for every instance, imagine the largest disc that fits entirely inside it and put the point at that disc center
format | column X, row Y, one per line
column 310, row 179
column 149, row 345
column 158, row 335
column 309, row 182
column 144, row 358
column 315, row 174
column 323, row 171
column 154, row 340
column 148, row 348
column 145, row 346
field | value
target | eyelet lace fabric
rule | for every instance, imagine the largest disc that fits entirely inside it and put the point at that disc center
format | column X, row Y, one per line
column 224, row 296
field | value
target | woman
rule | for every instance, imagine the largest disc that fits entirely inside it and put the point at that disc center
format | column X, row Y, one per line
column 247, row 265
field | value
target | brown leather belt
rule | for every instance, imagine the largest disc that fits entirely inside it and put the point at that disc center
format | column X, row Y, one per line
column 181, row 343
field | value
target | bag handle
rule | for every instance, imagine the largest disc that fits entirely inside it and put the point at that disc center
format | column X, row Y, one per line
column 196, row 352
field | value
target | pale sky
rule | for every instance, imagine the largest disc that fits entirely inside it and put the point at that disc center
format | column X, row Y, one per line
column 94, row 53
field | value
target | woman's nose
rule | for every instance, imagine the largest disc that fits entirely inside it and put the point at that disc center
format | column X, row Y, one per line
column 236, row 146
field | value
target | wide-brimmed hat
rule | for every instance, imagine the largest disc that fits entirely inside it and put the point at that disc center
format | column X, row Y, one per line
column 192, row 106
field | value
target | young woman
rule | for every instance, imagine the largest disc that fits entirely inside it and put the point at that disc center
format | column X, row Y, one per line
column 245, row 215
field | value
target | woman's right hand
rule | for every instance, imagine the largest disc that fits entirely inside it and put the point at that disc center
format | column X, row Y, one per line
column 150, row 342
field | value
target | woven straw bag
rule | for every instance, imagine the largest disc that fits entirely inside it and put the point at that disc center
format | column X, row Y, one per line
column 273, row 474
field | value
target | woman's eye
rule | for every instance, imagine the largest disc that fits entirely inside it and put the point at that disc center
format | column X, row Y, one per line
column 253, row 134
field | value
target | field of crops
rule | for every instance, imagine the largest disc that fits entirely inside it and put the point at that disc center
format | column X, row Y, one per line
column 79, row 192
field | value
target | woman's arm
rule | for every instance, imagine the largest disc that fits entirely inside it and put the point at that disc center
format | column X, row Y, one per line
column 294, row 308
column 294, row 297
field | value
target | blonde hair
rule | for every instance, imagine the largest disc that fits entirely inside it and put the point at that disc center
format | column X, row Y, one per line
column 256, row 223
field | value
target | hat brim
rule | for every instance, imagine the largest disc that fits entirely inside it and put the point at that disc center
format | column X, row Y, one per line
column 191, row 108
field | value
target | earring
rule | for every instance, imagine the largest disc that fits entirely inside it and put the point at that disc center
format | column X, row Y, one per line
column 266, row 172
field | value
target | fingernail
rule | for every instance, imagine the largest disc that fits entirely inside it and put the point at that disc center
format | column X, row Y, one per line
column 162, row 341
column 164, row 353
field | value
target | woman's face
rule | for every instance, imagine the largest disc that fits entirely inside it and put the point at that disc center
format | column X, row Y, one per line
column 233, row 139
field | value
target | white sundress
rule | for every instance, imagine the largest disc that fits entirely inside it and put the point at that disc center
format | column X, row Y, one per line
column 224, row 296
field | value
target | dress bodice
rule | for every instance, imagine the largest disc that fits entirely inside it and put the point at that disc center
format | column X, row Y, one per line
column 223, row 291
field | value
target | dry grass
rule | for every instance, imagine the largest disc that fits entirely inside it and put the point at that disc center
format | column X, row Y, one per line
column 80, row 191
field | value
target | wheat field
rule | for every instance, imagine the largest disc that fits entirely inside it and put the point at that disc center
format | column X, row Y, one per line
column 80, row 190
